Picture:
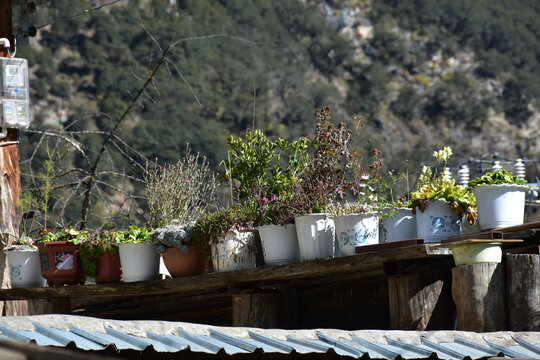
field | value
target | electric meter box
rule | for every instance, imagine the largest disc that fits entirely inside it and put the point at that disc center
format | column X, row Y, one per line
column 15, row 93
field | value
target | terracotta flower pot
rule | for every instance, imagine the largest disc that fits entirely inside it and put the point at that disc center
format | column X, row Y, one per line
column 60, row 263
column 185, row 264
column 108, row 268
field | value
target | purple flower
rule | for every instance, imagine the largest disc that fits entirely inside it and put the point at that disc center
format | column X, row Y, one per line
column 274, row 197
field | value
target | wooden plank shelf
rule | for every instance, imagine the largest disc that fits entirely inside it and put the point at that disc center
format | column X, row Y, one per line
column 360, row 264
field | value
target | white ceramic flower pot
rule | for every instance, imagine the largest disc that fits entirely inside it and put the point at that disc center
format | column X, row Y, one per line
column 316, row 233
column 500, row 205
column 400, row 227
column 25, row 268
column 354, row 230
column 279, row 244
column 475, row 253
column 139, row 262
column 236, row 251
column 437, row 222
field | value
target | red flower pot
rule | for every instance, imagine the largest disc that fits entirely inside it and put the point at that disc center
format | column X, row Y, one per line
column 60, row 263
column 184, row 264
column 108, row 268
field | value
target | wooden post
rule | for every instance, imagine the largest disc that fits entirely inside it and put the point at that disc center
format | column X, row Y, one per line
column 523, row 292
column 479, row 294
column 420, row 301
column 256, row 309
column 10, row 181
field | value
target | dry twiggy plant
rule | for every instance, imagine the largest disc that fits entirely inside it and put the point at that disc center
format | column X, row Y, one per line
column 183, row 191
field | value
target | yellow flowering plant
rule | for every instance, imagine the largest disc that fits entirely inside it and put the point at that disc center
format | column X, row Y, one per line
column 434, row 185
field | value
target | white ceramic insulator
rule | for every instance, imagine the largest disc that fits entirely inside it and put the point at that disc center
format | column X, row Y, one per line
column 519, row 169
column 496, row 165
column 463, row 175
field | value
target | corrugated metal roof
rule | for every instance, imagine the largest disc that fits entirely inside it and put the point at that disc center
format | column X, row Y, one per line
column 161, row 336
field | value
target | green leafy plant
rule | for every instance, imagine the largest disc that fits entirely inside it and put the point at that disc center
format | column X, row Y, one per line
column 92, row 246
column 209, row 228
column 434, row 185
column 67, row 234
column 135, row 235
column 499, row 177
column 24, row 243
column 266, row 172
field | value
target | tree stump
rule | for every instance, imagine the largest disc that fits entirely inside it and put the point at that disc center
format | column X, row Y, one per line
column 523, row 292
column 420, row 301
column 479, row 294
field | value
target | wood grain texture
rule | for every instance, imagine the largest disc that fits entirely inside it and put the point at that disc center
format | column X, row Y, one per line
column 420, row 301
column 362, row 265
column 479, row 291
column 523, row 292
column 257, row 309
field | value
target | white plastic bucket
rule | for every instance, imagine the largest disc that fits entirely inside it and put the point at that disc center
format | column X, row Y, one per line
column 25, row 269
column 400, row 227
column 500, row 205
column 236, row 251
column 279, row 244
column 437, row 222
column 139, row 261
column 476, row 253
column 354, row 230
column 316, row 233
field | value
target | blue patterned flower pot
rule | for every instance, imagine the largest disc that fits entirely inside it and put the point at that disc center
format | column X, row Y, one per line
column 24, row 268
column 354, row 230
column 437, row 222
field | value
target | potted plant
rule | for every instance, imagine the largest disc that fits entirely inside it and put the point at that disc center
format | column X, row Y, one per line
column 356, row 224
column 230, row 235
column 500, row 197
column 179, row 194
column 398, row 221
column 267, row 173
column 100, row 257
column 181, row 255
column 23, row 261
column 439, row 203
column 324, row 181
column 59, row 256
column 138, row 256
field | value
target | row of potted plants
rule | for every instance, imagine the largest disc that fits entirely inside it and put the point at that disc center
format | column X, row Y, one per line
column 307, row 199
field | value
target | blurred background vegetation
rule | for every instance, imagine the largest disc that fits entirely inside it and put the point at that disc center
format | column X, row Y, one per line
column 422, row 74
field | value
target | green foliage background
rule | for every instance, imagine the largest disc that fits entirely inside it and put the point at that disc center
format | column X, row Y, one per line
column 281, row 61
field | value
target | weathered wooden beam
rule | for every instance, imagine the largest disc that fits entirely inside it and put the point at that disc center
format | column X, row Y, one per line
column 420, row 294
column 362, row 265
column 257, row 309
column 479, row 291
column 523, row 292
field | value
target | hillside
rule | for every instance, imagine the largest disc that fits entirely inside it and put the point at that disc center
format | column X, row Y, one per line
column 422, row 74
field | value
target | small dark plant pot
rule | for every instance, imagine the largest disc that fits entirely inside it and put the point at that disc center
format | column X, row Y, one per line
column 108, row 268
column 61, row 264
column 184, row 264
